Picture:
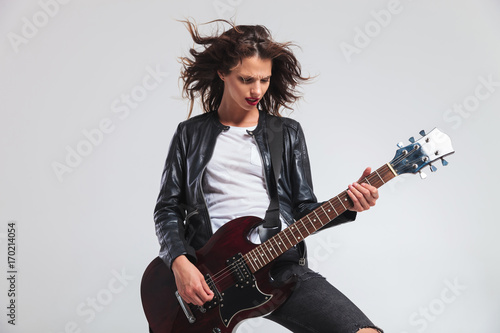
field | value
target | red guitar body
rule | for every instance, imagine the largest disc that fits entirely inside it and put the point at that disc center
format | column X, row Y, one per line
column 241, row 297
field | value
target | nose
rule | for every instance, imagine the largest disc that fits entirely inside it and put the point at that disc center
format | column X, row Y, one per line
column 256, row 89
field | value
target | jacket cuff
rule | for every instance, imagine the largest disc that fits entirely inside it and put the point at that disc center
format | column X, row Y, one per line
column 347, row 216
column 168, row 259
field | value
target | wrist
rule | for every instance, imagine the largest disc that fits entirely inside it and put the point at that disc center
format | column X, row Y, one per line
column 179, row 261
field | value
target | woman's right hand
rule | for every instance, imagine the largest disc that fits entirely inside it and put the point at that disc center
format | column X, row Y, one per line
column 191, row 284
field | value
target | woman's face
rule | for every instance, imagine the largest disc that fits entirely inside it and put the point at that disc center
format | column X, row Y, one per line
column 246, row 84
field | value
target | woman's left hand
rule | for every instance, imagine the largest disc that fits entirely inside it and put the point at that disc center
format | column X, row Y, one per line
column 363, row 195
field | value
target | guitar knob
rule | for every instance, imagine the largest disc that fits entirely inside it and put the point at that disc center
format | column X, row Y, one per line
column 445, row 162
column 433, row 168
column 412, row 140
column 400, row 145
column 422, row 175
column 422, row 133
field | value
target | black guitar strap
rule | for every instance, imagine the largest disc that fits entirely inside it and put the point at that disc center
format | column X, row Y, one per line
column 272, row 223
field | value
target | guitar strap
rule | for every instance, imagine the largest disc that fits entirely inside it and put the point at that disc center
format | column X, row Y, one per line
column 272, row 222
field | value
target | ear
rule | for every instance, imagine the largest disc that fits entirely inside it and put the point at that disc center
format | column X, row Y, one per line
column 221, row 75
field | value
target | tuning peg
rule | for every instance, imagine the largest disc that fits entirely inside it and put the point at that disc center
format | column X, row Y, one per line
column 433, row 168
column 445, row 162
column 400, row 145
column 412, row 140
column 422, row 133
column 422, row 175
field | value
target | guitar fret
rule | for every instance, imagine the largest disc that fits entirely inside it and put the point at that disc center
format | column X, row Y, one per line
column 249, row 261
column 272, row 248
column 328, row 216
column 265, row 254
column 317, row 218
column 292, row 226
column 341, row 202
column 281, row 242
column 366, row 178
column 310, row 222
column 257, row 260
column 289, row 241
column 379, row 176
column 298, row 229
column 333, row 208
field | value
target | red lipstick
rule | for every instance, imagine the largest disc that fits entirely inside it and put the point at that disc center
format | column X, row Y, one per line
column 252, row 101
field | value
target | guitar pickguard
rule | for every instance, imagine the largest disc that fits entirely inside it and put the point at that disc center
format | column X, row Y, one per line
column 241, row 297
column 244, row 294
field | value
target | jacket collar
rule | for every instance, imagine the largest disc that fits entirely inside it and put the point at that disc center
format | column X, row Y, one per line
column 260, row 124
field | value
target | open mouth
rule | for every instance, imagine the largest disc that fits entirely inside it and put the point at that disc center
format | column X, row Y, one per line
column 252, row 101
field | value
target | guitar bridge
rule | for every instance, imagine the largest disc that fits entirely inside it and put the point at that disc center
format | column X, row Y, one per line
column 185, row 308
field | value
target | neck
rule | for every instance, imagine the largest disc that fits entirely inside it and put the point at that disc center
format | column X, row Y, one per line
column 266, row 252
column 238, row 118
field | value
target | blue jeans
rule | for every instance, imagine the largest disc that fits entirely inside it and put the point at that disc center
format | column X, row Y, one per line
column 315, row 306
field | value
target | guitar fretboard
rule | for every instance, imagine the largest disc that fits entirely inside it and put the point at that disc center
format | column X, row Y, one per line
column 318, row 218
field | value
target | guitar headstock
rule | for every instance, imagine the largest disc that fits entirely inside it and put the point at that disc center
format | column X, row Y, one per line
column 421, row 153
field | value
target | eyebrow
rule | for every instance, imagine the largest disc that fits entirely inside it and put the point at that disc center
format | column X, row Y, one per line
column 253, row 77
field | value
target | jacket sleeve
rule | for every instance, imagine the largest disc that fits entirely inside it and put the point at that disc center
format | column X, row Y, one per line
column 304, row 199
column 168, row 212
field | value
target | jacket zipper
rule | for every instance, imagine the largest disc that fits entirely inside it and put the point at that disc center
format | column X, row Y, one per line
column 209, row 227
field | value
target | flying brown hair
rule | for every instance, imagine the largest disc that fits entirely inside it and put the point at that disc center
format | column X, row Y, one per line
column 222, row 52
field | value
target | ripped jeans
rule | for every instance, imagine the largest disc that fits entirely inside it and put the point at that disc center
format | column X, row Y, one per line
column 315, row 306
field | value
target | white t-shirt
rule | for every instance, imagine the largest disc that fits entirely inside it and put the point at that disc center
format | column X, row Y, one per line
column 233, row 181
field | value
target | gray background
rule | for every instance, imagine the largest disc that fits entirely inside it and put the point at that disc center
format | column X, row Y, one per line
column 425, row 259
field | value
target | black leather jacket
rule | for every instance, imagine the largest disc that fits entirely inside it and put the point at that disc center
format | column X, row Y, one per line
column 181, row 215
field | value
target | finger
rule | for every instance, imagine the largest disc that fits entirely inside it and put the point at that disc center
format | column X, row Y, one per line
column 207, row 292
column 196, row 300
column 358, row 199
column 372, row 194
column 364, row 196
column 196, row 297
column 193, row 295
column 356, row 205
column 185, row 296
column 365, row 174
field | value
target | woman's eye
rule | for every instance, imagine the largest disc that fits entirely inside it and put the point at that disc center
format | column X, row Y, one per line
column 251, row 80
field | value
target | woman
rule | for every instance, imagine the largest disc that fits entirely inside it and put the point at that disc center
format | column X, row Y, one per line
column 219, row 168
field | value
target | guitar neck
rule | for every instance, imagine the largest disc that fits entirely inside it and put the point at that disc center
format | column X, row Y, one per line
column 318, row 218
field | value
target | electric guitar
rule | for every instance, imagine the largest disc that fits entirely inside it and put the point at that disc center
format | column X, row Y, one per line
column 237, row 270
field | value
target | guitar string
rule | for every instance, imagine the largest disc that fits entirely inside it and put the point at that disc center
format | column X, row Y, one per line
column 224, row 273
column 273, row 242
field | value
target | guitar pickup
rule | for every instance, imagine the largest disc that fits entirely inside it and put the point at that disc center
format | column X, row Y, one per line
column 241, row 272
